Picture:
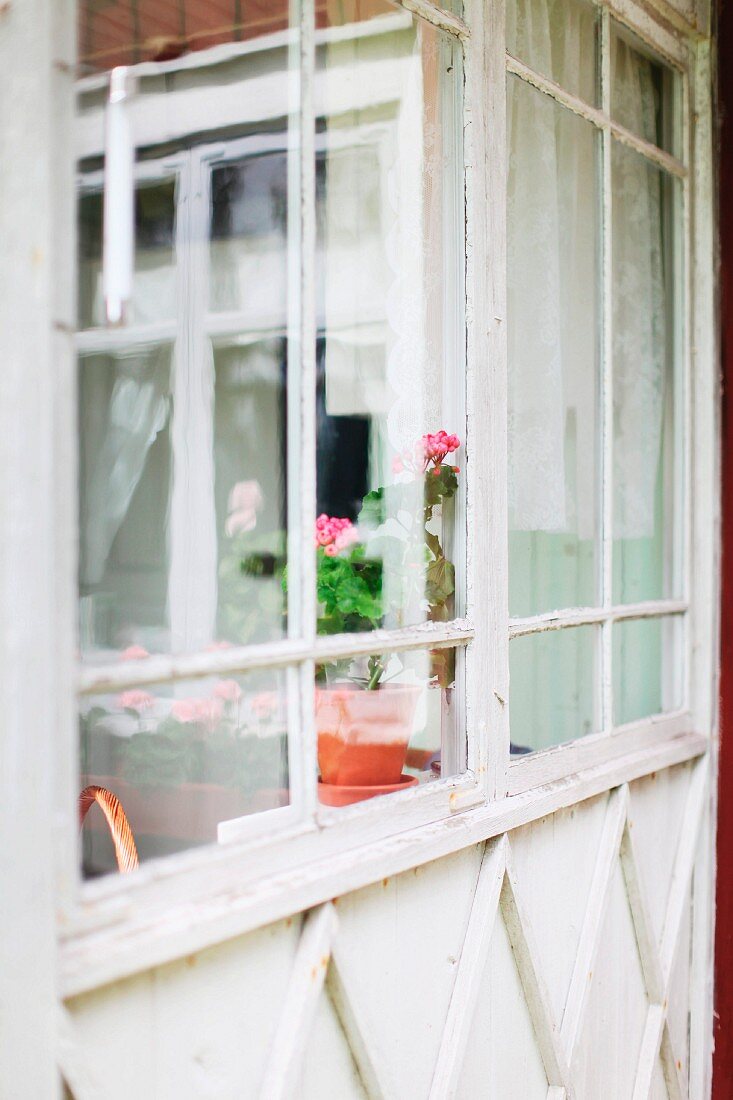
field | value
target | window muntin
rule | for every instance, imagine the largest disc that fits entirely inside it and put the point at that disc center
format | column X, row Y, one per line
column 633, row 456
column 218, row 404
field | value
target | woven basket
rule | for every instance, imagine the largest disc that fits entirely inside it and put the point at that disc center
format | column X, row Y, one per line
column 119, row 826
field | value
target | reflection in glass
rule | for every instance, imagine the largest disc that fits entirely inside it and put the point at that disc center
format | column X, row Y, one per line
column 125, row 32
column 645, row 91
column 647, row 668
column 125, row 408
column 183, row 411
column 381, row 735
column 559, row 39
column 554, row 323
column 390, row 217
column 154, row 282
column 182, row 759
column 554, row 677
column 250, row 462
column 249, row 226
column 647, row 412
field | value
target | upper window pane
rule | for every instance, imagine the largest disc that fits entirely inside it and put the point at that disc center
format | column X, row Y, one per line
column 390, row 337
column 558, row 39
column 645, row 91
column 647, row 275
column 184, row 418
column 554, row 326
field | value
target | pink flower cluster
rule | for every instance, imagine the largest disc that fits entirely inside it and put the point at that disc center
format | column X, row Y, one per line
column 429, row 449
column 335, row 534
column 436, row 446
column 136, row 700
column 205, row 712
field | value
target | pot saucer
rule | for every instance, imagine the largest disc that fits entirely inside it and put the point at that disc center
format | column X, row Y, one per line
column 332, row 794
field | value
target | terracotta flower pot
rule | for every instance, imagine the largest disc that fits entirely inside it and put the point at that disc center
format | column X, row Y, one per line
column 363, row 735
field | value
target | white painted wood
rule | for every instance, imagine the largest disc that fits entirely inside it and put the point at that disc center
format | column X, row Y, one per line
column 589, row 943
column 358, row 1039
column 646, row 940
column 35, row 132
column 470, row 971
column 528, row 772
column 587, row 616
column 503, row 1058
column 649, row 1052
column 439, row 17
column 156, row 669
column 394, row 996
column 309, row 975
column 72, row 1062
column 152, row 921
column 600, row 118
column 546, row 1028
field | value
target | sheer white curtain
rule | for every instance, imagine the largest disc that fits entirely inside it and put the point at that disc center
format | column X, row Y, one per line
column 554, row 331
column 135, row 412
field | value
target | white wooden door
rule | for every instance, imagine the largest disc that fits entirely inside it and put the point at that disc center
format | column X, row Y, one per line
column 536, row 927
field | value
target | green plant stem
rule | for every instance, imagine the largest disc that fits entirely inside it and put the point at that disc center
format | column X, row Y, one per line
column 377, row 671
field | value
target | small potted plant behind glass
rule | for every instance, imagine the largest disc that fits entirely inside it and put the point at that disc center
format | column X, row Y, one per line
column 372, row 575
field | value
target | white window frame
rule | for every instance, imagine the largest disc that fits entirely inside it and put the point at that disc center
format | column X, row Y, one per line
column 120, row 925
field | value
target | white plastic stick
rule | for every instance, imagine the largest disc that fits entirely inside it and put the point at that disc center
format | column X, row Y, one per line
column 119, row 203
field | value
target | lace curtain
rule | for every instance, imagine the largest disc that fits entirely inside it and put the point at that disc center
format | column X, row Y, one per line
column 554, row 334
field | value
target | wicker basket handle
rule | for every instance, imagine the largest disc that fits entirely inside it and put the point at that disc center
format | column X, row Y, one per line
column 119, row 826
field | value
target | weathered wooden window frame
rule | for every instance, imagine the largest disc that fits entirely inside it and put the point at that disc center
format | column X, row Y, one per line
column 119, row 925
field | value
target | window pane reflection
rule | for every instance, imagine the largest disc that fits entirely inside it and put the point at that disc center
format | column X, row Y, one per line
column 182, row 759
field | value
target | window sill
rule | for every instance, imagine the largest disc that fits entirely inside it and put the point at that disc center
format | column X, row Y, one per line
column 127, row 931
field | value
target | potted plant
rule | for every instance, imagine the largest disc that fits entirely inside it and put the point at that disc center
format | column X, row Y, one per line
column 364, row 720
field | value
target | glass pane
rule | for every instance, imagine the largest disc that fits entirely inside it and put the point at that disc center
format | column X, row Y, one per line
column 647, row 285
column 154, row 284
column 251, row 506
column 558, row 39
column 249, row 228
column 124, row 32
column 647, row 668
column 645, row 92
column 554, row 694
column 183, row 494
column 125, row 413
column 554, row 325
column 386, row 723
column 182, row 759
column 390, row 218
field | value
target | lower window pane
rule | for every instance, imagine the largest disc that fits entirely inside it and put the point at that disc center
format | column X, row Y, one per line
column 386, row 723
column 182, row 758
column 647, row 668
column 554, row 687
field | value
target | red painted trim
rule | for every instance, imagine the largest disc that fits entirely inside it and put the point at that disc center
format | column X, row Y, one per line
column 723, row 1028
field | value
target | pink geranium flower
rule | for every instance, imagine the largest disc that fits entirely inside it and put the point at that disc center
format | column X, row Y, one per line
column 228, row 690
column 335, row 534
column 429, row 449
column 134, row 653
column 205, row 712
column 245, row 500
column 135, row 700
